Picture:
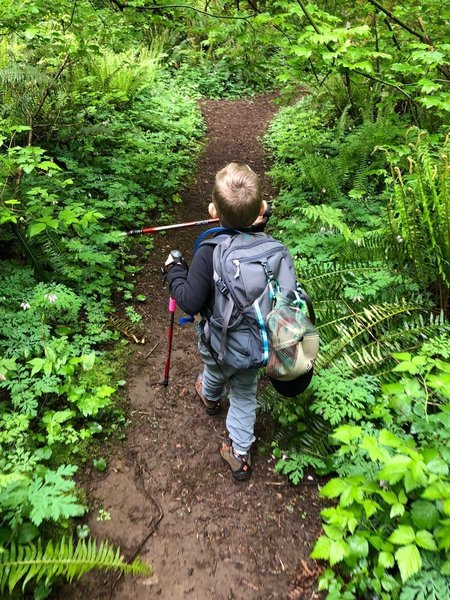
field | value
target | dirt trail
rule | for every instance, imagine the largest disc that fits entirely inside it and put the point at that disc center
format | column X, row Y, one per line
column 167, row 491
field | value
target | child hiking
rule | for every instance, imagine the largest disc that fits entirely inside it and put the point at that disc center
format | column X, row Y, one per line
column 227, row 284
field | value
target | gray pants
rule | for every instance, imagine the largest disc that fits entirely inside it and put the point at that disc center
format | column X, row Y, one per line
column 241, row 415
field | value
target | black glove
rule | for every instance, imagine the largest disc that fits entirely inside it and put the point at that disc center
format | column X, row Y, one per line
column 175, row 258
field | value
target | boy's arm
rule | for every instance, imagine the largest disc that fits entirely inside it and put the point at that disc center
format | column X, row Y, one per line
column 193, row 288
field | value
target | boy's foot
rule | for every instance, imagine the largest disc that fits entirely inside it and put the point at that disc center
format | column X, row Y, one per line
column 240, row 464
column 211, row 407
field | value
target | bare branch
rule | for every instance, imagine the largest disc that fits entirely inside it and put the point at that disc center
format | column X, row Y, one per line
column 121, row 6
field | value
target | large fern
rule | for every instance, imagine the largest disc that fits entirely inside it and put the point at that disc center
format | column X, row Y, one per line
column 420, row 213
column 24, row 563
column 43, row 252
column 358, row 329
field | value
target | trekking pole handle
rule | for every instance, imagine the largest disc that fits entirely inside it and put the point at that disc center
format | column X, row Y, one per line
column 176, row 255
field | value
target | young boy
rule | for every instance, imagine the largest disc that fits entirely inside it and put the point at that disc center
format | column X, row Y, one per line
column 237, row 202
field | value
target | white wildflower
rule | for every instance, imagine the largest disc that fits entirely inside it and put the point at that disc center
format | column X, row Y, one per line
column 25, row 306
column 51, row 297
column 2, row 377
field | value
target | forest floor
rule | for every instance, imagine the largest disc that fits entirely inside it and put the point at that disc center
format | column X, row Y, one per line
column 167, row 494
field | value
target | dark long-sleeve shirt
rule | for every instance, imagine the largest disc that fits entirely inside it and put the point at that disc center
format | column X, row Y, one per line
column 193, row 290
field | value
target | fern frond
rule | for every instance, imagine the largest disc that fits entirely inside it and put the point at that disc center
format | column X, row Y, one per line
column 61, row 559
column 376, row 358
column 359, row 328
column 420, row 212
column 365, row 246
column 318, row 173
column 314, row 441
column 326, row 280
column 328, row 216
column 18, row 74
column 33, row 253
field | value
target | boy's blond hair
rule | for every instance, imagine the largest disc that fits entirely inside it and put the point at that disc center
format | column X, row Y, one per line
column 237, row 195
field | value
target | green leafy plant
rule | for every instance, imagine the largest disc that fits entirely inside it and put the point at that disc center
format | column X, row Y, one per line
column 339, row 395
column 33, row 563
column 392, row 508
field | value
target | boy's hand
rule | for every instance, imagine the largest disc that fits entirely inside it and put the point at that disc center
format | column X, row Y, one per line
column 175, row 258
column 261, row 221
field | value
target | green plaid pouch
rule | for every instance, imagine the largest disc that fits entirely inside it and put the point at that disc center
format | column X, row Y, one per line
column 293, row 339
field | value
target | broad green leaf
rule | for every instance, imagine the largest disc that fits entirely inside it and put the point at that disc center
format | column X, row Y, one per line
column 87, row 361
column 415, row 477
column 347, row 434
column 443, row 535
column 36, row 228
column 438, row 466
column 358, row 546
column 395, row 469
column 402, row 355
column 424, row 514
column 334, row 488
column 376, row 452
column 437, row 491
column 338, row 551
column 27, row 533
column 38, row 365
column 334, row 533
column 387, row 438
column 403, row 534
column 388, row 496
column 440, row 382
column 386, row 559
column 425, row 539
column 409, row 561
column 370, row 507
column 321, row 550
column 428, row 86
column 397, row 510
column 105, row 391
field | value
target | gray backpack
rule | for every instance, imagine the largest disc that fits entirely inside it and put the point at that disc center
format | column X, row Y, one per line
column 245, row 264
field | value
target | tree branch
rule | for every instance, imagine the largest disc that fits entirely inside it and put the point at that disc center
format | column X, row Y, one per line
column 38, row 109
column 423, row 37
column 122, row 7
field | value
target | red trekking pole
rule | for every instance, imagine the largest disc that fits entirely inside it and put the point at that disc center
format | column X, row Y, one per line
column 177, row 258
column 169, row 227
column 172, row 307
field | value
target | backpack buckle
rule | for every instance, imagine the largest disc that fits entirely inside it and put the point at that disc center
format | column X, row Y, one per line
column 267, row 270
column 222, row 287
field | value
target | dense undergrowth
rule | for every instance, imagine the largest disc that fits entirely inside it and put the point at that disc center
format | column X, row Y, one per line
column 113, row 143
column 361, row 199
column 99, row 131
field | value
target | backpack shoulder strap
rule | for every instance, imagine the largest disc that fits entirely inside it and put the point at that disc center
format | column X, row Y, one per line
column 214, row 241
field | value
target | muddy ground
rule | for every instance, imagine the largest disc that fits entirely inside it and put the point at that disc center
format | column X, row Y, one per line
column 170, row 497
